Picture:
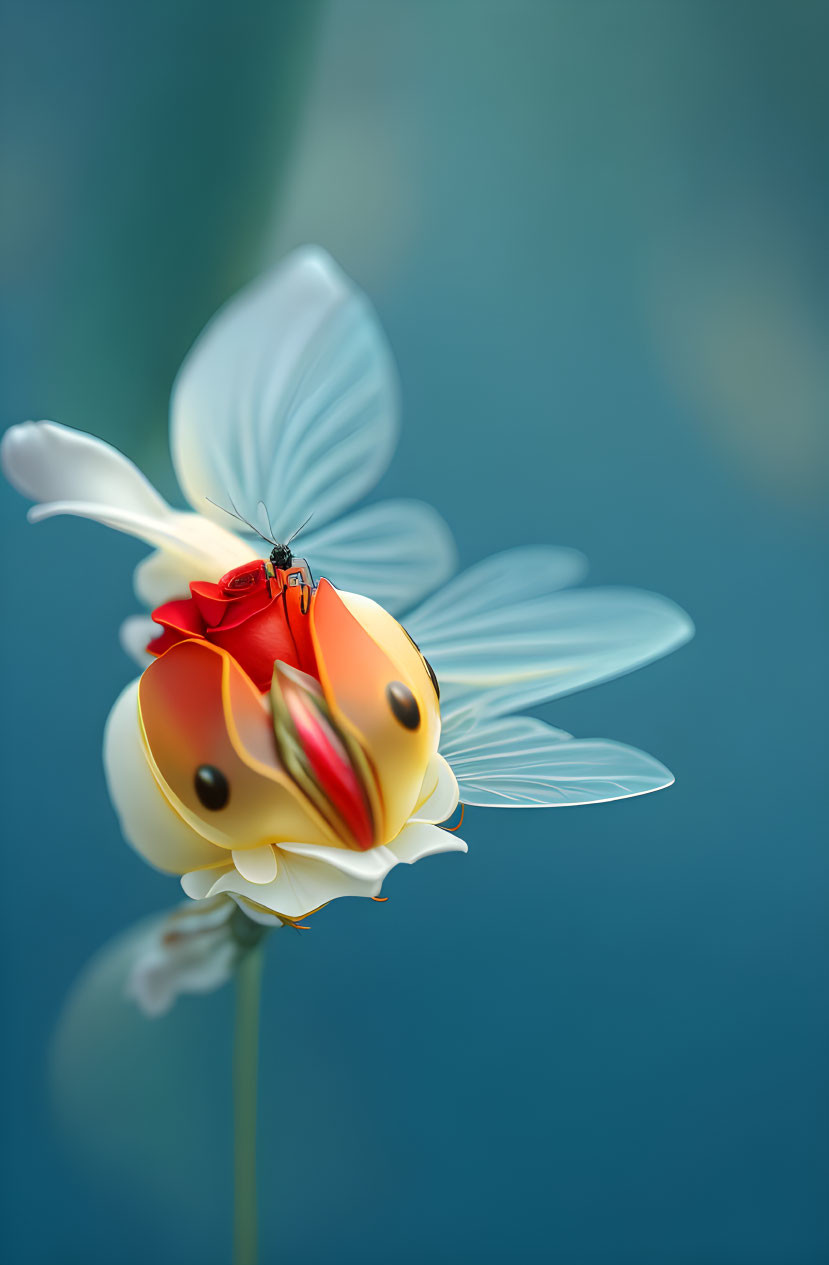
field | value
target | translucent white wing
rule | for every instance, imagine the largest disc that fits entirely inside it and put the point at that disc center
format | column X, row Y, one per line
column 288, row 397
column 477, row 595
column 393, row 552
column 518, row 762
column 500, row 649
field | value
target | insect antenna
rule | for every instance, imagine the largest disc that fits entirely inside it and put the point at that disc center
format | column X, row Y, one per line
column 301, row 527
column 268, row 517
column 234, row 513
column 269, row 539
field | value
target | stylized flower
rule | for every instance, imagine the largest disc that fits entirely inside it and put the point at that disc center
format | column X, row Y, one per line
column 266, row 754
column 290, row 801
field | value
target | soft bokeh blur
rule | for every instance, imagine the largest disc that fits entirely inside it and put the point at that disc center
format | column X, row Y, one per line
column 596, row 236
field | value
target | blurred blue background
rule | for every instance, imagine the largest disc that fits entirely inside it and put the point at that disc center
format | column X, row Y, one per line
column 596, row 236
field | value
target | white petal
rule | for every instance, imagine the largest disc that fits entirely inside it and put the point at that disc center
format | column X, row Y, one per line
column 518, row 762
column 508, row 653
column 134, row 634
column 205, row 551
column 49, row 462
column 310, row 876
column 302, row 885
column 370, row 866
column 254, row 912
column 69, row 472
column 198, row 884
column 160, row 578
column 443, row 800
column 257, row 865
column 418, row 839
column 288, row 397
column 148, row 822
column 393, row 552
column 201, row 549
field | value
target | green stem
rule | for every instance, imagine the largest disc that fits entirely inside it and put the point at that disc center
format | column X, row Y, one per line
column 245, row 1074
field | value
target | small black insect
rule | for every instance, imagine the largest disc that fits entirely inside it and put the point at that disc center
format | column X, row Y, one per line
column 282, row 556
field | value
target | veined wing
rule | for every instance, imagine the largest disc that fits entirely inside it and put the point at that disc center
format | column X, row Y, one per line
column 289, row 397
column 287, row 406
column 519, row 762
column 499, row 648
column 393, row 552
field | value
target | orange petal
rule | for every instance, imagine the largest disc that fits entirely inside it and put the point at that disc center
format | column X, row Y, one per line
column 197, row 707
column 357, row 668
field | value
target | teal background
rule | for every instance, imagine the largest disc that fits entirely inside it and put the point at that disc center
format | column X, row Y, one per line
column 596, row 236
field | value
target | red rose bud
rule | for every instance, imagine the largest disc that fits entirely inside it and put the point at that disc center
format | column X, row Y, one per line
column 255, row 617
column 241, row 580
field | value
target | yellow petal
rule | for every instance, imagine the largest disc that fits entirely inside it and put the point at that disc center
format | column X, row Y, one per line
column 361, row 652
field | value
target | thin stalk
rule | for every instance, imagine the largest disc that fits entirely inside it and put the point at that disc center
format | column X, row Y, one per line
column 245, row 1076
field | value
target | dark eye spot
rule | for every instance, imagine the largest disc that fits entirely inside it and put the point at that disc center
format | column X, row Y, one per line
column 212, row 787
column 404, row 704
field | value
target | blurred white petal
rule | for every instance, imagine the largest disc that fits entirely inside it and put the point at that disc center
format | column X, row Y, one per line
column 160, row 577
column 191, row 950
column 134, row 634
column 131, row 1094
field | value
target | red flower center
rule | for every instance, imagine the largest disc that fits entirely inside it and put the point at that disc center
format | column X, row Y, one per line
column 255, row 613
